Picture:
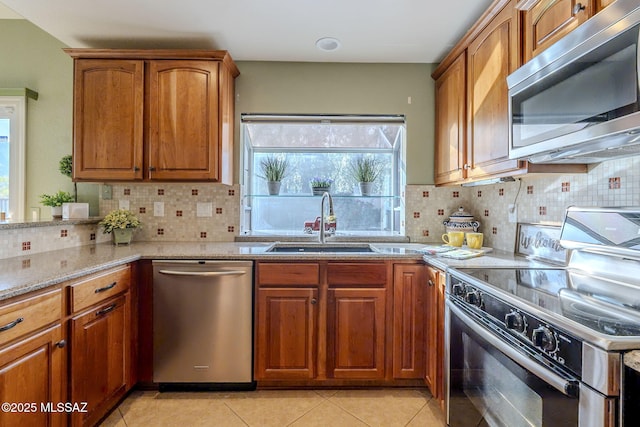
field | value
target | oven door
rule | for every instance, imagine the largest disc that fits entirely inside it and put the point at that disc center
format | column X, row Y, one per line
column 491, row 382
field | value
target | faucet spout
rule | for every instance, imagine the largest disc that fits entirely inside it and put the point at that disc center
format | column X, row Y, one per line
column 325, row 196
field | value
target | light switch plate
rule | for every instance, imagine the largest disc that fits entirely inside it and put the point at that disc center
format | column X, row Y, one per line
column 158, row 208
column 204, row 209
column 123, row 204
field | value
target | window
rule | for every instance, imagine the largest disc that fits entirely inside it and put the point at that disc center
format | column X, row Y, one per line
column 12, row 156
column 327, row 147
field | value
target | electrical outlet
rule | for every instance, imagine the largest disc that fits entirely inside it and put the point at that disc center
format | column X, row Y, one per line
column 123, row 204
column 158, row 208
column 513, row 213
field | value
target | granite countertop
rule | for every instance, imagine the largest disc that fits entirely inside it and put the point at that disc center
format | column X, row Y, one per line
column 28, row 273
column 20, row 275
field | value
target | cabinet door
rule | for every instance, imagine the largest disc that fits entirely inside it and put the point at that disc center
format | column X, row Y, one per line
column 434, row 374
column 601, row 4
column 99, row 358
column 32, row 371
column 547, row 21
column 408, row 320
column 108, row 111
column 183, row 120
column 286, row 333
column 450, row 122
column 356, row 333
column 491, row 57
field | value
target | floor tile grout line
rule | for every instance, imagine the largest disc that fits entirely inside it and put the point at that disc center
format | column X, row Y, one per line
column 236, row 414
column 310, row 409
column 417, row 412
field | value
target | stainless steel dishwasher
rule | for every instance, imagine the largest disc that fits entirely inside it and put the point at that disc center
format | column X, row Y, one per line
column 203, row 324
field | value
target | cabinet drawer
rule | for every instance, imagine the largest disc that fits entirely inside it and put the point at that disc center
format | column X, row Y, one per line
column 288, row 274
column 98, row 288
column 29, row 315
column 357, row 274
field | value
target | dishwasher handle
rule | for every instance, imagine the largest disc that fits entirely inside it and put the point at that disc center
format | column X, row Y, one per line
column 202, row 273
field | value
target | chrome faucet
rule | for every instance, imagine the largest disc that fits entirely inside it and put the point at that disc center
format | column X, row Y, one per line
column 325, row 196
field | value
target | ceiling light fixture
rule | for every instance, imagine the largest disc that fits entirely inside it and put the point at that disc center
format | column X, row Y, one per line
column 328, row 44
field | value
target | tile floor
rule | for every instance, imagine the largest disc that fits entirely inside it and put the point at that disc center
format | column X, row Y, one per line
column 265, row 408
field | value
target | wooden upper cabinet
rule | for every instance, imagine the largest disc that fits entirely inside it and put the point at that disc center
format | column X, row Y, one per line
column 491, row 57
column 547, row 21
column 183, row 120
column 450, row 94
column 153, row 115
column 108, row 119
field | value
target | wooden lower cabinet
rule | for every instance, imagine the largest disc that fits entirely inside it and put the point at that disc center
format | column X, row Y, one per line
column 356, row 333
column 286, row 333
column 408, row 320
column 100, row 358
column 32, row 373
column 434, row 327
column 330, row 323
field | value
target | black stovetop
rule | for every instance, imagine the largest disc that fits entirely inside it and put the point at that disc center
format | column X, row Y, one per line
column 607, row 307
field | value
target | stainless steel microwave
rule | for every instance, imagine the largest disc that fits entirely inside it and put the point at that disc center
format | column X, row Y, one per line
column 579, row 100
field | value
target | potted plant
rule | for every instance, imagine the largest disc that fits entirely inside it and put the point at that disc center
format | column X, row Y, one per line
column 66, row 168
column 319, row 185
column 122, row 223
column 274, row 169
column 55, row 201
column 365, row 170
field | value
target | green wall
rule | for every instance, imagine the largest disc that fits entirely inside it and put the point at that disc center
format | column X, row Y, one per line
column 32, row 58
column 346, row 88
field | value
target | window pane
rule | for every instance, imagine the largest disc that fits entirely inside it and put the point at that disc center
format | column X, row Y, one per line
column 4, row 165
column 331, row 135
column 323, row 150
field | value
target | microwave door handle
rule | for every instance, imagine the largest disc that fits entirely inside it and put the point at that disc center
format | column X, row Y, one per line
column 566, row 386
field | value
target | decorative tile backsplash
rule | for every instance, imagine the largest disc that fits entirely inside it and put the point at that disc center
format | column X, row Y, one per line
column 190, row 212
column 211, row 212
column 26, row 241
column 540, row 199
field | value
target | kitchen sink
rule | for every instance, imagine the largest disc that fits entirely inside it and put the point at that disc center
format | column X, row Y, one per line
column 318, row 247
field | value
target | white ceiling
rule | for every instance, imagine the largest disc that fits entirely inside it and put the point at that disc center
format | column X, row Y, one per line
column 278, row 30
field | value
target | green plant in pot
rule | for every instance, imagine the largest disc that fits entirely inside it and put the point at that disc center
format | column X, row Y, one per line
column 66, row 168
column 55, row 201
column 274, row 169
column 365, row 170
column 122, row 223
column 320, row 184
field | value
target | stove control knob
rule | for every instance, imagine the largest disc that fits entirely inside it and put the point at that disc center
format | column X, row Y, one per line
column 515, row 321
column 458, row 289
column 543, row 338
column 473, row 297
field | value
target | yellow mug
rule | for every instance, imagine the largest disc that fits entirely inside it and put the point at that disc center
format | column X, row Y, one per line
column 474, row 240
column 453, row 238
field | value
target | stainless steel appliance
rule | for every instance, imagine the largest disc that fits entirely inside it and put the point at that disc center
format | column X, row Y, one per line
column 203, row 324
column 545, row 346
column 578, row 102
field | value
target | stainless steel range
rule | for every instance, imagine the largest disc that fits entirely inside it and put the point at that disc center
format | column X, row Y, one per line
column 550, row 346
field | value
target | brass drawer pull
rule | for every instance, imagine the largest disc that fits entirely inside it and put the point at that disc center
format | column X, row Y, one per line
column 11, row 324
column 106, row 288
column 106, row 310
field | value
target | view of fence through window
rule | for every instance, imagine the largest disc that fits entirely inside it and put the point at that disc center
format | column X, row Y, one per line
column 329, row 148
column 4, row 165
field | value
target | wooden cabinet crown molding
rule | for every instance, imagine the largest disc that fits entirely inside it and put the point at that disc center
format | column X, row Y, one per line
column 473, row 32
column 147, row 54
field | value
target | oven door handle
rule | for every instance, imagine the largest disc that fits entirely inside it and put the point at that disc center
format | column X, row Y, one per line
column 566, row 385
